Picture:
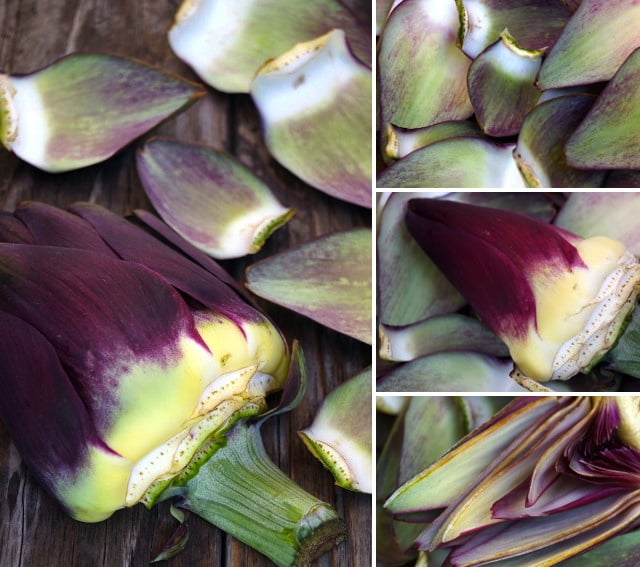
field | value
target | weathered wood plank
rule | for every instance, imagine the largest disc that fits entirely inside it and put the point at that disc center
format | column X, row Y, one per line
column 33, row 531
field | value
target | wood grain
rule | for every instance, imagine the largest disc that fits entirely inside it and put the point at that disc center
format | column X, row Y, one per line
column 33, row 531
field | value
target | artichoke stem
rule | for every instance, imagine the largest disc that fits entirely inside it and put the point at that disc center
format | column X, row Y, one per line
column 240, row 490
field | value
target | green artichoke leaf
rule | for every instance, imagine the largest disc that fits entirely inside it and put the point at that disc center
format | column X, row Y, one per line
column 327, row 279
column 315, row 105
column 540, row 152
column 422, row 72
column 501, row 85
column 608, row 137
column 226, row 43
column 83, row 108
column 593, row 45
column 209, row 197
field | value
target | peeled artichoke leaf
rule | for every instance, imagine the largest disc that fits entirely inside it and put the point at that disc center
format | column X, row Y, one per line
column 83, row 108
column 209, row 197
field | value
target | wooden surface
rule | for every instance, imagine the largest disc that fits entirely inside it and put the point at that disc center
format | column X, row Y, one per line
column 33, row 531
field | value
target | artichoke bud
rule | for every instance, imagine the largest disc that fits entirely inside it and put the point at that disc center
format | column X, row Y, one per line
column 557, row 300
column 140, row 373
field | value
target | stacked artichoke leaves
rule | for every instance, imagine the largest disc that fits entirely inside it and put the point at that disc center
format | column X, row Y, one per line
column 498, row 93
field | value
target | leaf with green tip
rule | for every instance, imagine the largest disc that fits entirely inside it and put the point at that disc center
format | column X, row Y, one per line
column 432, row 425
column 83, row 108
column 536, row 24
column 608, row 136
column 340, row 435
column 327, row 279
column 598, row 38
column 501, row 85
column 315, row 104
column 437, row 334
column 609, row 214
column 450, row 372
column 394, row 539
column 457, row 162
column 226, row 42
column 422, row 72
column 540, row 148
column 209, row 197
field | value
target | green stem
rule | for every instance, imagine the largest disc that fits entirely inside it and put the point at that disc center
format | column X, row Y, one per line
column 241, row 491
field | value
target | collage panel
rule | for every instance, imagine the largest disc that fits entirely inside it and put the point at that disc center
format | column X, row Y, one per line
column 507, row 481
column 508, row 94
column 507, row 292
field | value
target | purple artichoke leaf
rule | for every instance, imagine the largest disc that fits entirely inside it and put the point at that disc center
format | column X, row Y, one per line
column 51, row 226
column 562, row 534
column 78, row 287
column 133, row 244
column 46, row 418
column 521, row 275
column 13, row 230
column 565, row 494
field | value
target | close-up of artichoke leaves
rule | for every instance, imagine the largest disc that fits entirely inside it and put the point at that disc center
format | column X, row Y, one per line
column 186, row 283
column 508, row 292
column 518, row 482
column 508, row 93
